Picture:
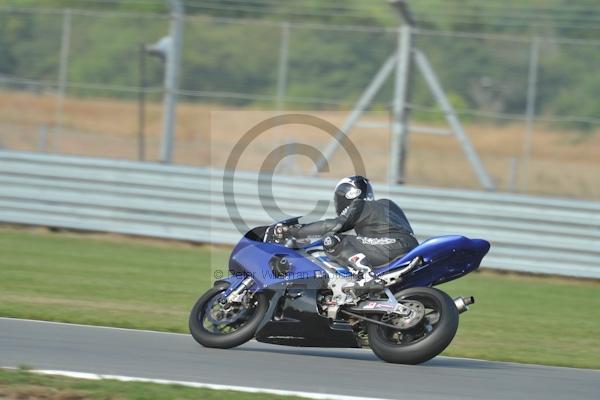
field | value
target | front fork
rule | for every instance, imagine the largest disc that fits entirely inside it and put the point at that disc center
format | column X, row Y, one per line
column 237, row 295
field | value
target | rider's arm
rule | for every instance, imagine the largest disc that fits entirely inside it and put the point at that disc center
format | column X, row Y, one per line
column 343, row 223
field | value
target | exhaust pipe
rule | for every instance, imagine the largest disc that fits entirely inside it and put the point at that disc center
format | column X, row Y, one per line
column 463, row 303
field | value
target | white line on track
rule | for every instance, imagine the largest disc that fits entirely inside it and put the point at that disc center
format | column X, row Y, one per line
column 94, row 326
column 200, row 385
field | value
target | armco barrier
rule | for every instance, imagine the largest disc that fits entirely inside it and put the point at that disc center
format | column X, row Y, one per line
column 529, row 234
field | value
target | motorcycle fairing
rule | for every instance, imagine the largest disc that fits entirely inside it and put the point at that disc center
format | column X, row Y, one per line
column 295, row 321
column 250, row 258
column 444, row 258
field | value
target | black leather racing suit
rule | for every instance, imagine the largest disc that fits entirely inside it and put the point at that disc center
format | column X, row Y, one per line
column 382, row 232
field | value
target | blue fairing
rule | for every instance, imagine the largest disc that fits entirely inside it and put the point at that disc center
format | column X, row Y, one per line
column 444, row 258
column 253, row 258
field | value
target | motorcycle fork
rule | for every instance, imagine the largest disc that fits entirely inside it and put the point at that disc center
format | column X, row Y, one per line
column 237, row 295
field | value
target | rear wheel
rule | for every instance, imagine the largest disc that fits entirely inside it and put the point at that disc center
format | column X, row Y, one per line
column 216, row 324
column 424, row 338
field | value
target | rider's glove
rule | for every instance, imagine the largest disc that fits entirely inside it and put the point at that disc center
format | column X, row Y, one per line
column 330, row 241
column 280, row 231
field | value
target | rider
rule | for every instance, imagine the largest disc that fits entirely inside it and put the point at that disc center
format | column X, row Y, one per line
column 383, row 232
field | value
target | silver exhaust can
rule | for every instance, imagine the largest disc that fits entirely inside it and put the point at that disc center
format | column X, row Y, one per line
column 462, row 303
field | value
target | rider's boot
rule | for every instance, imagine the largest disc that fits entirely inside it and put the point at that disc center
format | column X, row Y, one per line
column 366, row 281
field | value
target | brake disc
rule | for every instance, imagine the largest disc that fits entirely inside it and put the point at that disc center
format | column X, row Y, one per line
column 416, row 315
column 218, row 313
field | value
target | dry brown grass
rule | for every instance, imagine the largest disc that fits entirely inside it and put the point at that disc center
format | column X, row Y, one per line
column 563, row 163
column 33, row 392
column 107, row 236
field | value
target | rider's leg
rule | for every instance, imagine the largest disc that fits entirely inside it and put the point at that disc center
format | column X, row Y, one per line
column 350, row 252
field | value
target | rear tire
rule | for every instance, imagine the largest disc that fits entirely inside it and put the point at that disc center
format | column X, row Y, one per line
column 225, row 340
column 427, row 344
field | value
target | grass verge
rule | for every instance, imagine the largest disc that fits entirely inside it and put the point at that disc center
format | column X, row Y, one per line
column 21, row 384
column 122, row 282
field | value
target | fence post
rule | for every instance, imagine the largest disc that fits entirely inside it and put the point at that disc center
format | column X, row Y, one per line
column 359, row 108
column 173, row 61
column 433, row 82
column 63, row 69
column 399, row 131
column 534, row 57
column 142, row 103
column 282, row 72
column 287, row 164
column 43, row 138
column 513, row 174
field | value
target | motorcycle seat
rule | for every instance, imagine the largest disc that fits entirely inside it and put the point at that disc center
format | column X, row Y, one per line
column 401, row 259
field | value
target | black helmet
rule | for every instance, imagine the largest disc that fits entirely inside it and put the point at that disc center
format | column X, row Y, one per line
column 349, row 189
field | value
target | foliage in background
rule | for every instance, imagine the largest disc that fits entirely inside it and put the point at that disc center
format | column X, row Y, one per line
column 222, row 56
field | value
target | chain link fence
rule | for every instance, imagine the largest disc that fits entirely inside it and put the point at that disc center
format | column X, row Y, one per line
column 73, row 82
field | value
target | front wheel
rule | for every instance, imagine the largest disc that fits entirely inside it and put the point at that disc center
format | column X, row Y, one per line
column 423, row 339
column 215, row 324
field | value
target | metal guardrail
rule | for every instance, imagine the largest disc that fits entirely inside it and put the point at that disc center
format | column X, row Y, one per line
column 530, row 234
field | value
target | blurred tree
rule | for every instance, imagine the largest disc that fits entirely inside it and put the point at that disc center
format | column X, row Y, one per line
column 224, row 56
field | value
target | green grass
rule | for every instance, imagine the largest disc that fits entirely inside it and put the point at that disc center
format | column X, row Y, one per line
column 113, row 281
column 529, row 319
column 152, row 285
column 20, row 384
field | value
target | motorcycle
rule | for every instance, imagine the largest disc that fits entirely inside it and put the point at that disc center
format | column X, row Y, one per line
column 286, row 292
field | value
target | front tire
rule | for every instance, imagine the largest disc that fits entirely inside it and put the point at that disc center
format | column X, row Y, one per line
column 226, row 335
column 425, row 340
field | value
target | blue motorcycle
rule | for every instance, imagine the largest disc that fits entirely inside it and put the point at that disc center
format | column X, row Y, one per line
column 285, row 292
